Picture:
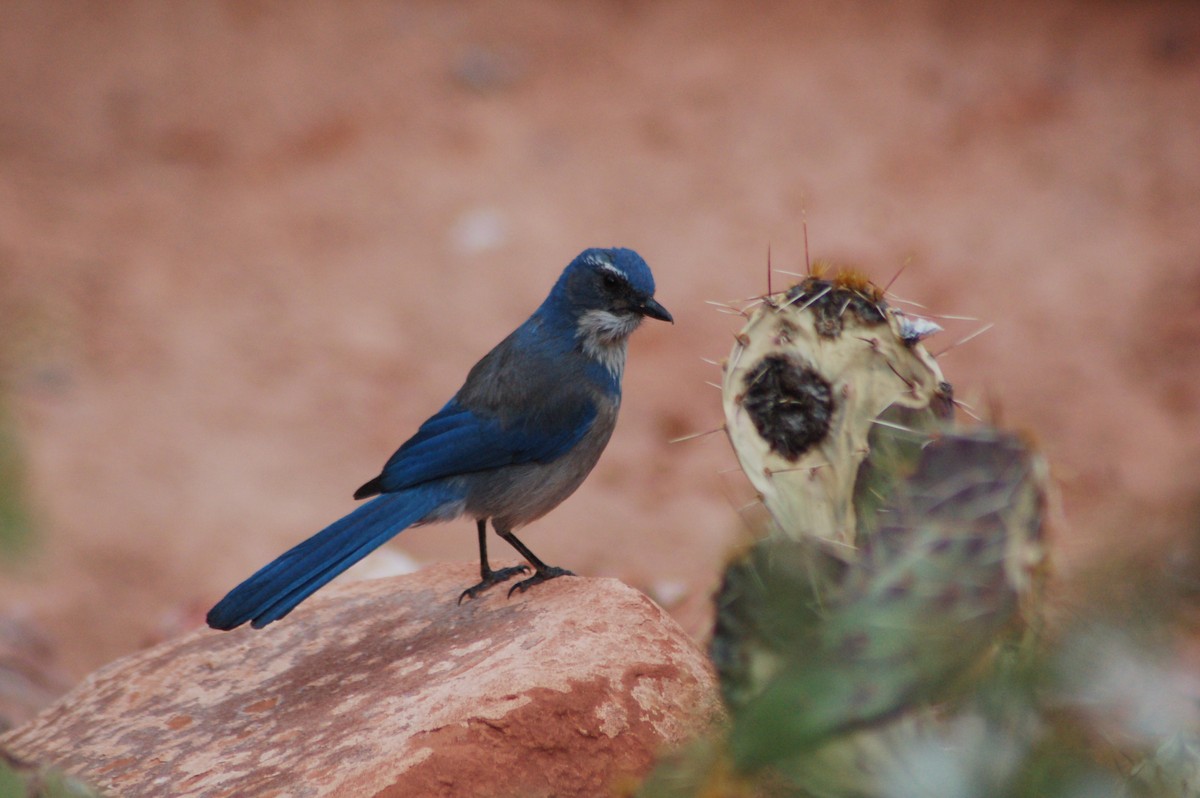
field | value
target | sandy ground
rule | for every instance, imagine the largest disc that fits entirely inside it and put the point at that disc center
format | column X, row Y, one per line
column 246, row 248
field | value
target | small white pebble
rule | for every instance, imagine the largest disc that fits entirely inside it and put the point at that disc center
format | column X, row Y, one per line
column 384, row 562
column 668, row 592
column 478, row 231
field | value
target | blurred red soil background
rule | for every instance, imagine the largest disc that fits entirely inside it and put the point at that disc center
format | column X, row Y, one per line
column 246, row 248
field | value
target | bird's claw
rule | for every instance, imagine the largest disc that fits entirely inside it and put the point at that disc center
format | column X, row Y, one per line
column 543, row 575
column 493, row 578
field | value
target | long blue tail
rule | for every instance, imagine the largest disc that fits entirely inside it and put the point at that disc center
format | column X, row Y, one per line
column 279, row 586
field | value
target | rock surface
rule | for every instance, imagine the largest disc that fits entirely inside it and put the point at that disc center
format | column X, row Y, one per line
column 389, row 688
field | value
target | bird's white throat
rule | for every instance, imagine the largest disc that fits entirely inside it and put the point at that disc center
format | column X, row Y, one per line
column 604, row 336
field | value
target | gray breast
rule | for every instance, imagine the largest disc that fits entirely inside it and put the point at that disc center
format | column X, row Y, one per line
column 515, row 495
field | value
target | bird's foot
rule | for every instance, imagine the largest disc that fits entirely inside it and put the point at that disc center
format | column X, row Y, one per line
column 543, row 575
column 493, row 578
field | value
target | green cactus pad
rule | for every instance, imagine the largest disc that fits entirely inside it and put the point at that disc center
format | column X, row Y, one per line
column 925, row 601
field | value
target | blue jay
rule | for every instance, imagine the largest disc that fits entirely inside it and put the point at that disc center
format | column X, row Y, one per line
column 518, row 438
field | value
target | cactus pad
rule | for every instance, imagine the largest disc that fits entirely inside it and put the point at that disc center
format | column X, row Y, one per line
column 809, row 375
column 926, row 600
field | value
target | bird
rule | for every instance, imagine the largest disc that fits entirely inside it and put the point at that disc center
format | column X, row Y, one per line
column 522, row 433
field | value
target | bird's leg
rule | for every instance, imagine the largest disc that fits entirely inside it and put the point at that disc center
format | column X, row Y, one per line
column 487, row 576
column 541, row 571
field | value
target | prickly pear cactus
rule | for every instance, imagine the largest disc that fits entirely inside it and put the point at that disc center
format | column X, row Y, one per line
column 809, row 376
column 19, row 778
column 928, row 597
column 1173, row 771
column 881, row 638
column 902, row 551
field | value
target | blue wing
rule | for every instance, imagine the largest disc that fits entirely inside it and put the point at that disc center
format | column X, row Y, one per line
column 458, row 440
column 526, row 401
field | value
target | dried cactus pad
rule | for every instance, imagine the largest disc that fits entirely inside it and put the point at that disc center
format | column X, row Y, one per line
column 808, row 376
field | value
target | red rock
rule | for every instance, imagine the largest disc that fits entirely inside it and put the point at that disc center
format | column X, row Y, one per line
column 389, row 688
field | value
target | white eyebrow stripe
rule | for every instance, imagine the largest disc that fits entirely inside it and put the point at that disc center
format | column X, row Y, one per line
column 608, row 267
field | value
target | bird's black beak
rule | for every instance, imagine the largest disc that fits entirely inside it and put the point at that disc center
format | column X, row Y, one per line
column 654, row 310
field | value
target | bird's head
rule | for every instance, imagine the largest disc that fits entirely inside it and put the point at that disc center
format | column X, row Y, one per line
column 607, row 293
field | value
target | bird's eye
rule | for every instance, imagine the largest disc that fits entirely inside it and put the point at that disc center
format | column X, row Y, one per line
column 611, row 281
